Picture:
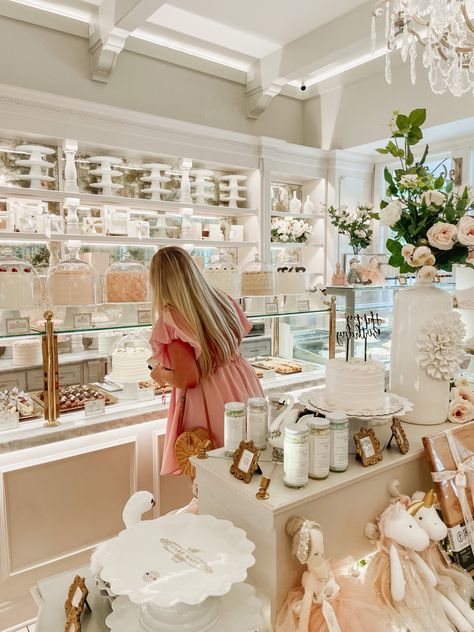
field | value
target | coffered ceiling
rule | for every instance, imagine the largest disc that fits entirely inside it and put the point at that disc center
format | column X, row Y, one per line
column 272, row 46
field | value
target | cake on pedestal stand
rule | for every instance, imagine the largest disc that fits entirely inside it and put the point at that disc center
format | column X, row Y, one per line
column 156, row 179
column 180, row 572
column 36, row 164
column 106, row 172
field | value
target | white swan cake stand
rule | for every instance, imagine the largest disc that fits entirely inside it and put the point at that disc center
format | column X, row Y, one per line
column 180, row 572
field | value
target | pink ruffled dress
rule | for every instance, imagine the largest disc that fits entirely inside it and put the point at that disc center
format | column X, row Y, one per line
column 234, row 382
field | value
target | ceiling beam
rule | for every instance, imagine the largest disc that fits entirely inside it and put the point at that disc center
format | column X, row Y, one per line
column 114, row 22
column 327, row 47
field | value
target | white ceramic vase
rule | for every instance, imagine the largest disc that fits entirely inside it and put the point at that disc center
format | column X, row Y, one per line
column 413, row 308
column 295, row 204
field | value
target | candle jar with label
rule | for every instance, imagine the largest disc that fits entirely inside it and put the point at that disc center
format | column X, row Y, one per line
column 319, row 447
column 339, row 427
column 257, row 412
column 296, row 455
column 234, row 426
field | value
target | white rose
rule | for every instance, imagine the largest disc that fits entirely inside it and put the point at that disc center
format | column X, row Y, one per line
column 460, row 411
column 427, row 272
column 360, row 233
column 466, row 230
column 422, row 256
column 462, row 392
column 461, row 381
column 442, row 235
column 407, row 252
column 433, row 197
column 391, row 213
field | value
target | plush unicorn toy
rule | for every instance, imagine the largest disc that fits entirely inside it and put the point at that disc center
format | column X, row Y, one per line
column 401, row 577
column 455, row 584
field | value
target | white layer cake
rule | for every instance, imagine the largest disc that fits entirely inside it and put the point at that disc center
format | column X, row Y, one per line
column 225, row 280
column 27, row 353
column 71, row 288
column 107, row 342
column 355, row 384
column 290, row 282
column 16, row 290
column 130, row 364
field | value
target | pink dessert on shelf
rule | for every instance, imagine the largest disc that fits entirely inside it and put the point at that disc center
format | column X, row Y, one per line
column 127, row 286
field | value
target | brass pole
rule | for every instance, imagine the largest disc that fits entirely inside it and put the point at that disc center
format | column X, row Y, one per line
column 332, row 326
column 50, row 373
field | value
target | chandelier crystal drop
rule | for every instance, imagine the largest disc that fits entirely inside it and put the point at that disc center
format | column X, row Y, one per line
column 442, row 30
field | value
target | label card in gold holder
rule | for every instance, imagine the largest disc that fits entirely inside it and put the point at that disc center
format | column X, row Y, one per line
column 17, row 326
column 367, row 447
column 94, row 407
column 9, row 420
column 82, row 321
column 144, row 316
column 245, row 461
column 75, row 603
column 271, row 307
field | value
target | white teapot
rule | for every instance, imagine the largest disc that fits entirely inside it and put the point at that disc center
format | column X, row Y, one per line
column 287, row 414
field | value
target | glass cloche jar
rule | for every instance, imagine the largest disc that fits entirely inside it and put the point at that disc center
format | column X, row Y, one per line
column 130, row 357
column 257, row 278
column 224, row 275
column 291, row 277
column 20, row 285
column 73, row 282
column 126, row 281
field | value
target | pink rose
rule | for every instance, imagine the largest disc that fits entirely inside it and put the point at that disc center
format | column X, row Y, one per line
column 464, row 393
column 442, row 235
column 427, row 272
column 407, row 252
column 466, row 230
column 470, row 257
column 422, row 256
column 460, row 411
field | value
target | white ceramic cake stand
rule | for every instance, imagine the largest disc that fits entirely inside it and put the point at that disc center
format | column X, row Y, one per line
column 156, row 179
column 106, row 172
column 233, row 178
column 173, row 567
column 238, row 611
column 36, row 164
column 393, row 405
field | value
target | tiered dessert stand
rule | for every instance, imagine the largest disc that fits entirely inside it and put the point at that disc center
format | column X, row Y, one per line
column 106, row 172
column 203, row 185
column 156, row 179
column 232, row 189
column 180, row 572
column 36, row 164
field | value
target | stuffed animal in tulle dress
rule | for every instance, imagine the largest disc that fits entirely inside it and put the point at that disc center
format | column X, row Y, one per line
column 404, row 582
column 329, row 599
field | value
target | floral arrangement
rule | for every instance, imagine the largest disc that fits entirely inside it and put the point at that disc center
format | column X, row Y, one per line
column 461, row 404
column 357, row 225
column 428, row 216
column 290, row 230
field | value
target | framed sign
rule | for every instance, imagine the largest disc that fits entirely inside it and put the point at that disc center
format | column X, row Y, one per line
column 303, row 306
column 17, row 326
column 144, row 316
column 75, row 604
column 245, row 461
column 271, row 307
column 82, row 321
column 367, row 447
column 398, row 433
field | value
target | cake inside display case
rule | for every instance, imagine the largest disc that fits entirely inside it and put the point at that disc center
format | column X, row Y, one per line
column 291, row 278
column 20, row 286
column 126, row 281
column 73, row 282
column 130, row 359
column 224, row 275
column 257, row 279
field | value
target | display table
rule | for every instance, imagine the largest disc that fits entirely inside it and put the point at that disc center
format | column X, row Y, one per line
column 342, row 504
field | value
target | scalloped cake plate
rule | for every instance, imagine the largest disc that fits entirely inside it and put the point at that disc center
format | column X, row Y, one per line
column 176, row 559
column 393, row 404
column 239, row 611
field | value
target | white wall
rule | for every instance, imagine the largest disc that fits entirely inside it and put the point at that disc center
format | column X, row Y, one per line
column 358, row 113
column 51, row 61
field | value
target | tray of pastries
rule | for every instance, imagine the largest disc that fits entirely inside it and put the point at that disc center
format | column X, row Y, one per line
column 73, row 398
column 279, row 365
column 159, row 390
column 15, row 400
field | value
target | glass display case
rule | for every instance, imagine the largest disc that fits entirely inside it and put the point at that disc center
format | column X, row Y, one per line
column 126, row 281
column 224, row 275
column 73, row 282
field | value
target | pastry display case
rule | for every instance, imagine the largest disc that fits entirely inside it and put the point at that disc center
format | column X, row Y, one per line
column 126, row 281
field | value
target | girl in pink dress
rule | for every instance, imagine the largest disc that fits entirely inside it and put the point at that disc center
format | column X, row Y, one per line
column 196, row 343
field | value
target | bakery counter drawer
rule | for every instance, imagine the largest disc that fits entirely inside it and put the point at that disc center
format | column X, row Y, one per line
column 12, row 379
column 68, row 374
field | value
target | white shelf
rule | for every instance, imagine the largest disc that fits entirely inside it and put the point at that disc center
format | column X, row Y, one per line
column 118, row 200
column 297, row 215
column 292, row 244
column 109, row 240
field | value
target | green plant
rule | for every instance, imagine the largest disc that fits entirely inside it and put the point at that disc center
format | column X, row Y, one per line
column 357, row 225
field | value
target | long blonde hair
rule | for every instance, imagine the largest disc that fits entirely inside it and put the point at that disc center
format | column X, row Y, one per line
column 178, row 285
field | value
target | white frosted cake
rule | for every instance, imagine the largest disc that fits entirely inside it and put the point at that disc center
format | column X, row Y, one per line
column 290, row 282
column 107, row 342
column 27, row 353
column 16, row 290
column 355, row 383
column 129, row 364
column 225, row 280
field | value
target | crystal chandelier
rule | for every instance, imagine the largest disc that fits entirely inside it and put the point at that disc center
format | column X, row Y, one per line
column 442, row 29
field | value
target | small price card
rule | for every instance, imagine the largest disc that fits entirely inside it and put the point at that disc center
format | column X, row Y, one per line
column 145, row 394
column 144, row 316
column 94, row 407
column 271, row 307
column 17, row 326
column 9, row 420
column 303, row 306
column 82, row 321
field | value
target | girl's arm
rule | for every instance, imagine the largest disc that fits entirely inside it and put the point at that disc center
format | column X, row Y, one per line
column 183, row 372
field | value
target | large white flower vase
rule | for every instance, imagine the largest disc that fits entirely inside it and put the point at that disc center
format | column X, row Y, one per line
column 413, row 308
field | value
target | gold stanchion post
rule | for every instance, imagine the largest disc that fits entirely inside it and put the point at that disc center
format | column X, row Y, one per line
column 332, row 326
column 50, row 373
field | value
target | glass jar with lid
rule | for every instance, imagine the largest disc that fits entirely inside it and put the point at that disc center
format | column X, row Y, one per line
column 74, row 282
column 130, row 359
column 126, row 281
column 224, row 275
column 257, row 278
column 20, row 285
column 296, row 455
column 291, row 277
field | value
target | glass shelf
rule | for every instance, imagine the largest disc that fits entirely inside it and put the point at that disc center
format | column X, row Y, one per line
column 282, row 314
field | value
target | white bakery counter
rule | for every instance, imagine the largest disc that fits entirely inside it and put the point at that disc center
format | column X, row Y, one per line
column 342, row 504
